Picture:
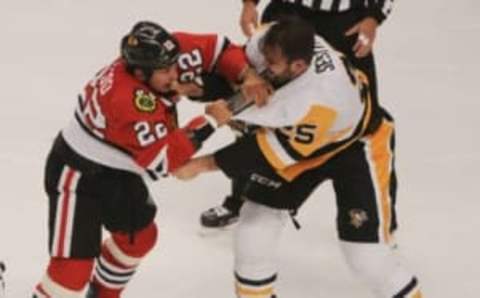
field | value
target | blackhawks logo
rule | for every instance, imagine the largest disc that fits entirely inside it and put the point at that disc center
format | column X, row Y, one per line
column 145, row 101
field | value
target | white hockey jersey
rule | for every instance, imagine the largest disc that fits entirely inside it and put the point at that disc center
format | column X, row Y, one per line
column 314, row 116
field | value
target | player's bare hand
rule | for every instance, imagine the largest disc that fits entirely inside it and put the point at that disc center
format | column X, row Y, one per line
column 187, row 172
column 366, row 30
column 249, row 18
column 219, row 111
column 255, row 88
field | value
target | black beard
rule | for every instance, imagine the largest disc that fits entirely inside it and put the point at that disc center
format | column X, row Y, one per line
column 276, row 81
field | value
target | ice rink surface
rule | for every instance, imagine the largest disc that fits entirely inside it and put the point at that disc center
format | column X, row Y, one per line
column 428, row 64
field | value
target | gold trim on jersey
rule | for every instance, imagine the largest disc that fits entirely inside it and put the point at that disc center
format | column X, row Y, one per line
column 321, row 119
column 417, row 294
column 311, row 135
column 380, row 158
column 244, row 292
column 292, row 172
column 268, row 151
column 289, row 173
column 273, row 150
column 305, row 138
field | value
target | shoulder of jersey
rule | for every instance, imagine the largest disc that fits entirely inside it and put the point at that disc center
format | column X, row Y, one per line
column 132, row 95
column 185, row 40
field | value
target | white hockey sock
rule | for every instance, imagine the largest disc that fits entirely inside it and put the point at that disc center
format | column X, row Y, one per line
column 381, row 269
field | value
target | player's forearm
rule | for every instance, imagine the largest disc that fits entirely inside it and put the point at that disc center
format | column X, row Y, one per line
column 195, row 167
column 207, row 163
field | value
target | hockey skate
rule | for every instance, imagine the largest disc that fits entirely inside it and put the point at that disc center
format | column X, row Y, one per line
column 218, row 217
column 217, row 220
column 223, row 216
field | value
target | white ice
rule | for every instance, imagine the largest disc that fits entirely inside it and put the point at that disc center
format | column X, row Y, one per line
column 427, row 57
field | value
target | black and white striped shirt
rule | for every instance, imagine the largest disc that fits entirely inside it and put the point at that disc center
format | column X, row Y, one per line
column 379, row 9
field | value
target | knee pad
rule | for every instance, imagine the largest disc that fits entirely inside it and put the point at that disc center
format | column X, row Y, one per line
column 378, row 266
column 256, row 240
column 65, row 278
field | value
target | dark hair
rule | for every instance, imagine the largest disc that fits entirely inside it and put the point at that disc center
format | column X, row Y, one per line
column 293, row 36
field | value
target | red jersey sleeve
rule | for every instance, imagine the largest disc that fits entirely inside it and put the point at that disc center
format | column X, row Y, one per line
column 209, row 53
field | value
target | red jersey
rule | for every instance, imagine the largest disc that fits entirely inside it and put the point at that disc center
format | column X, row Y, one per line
column 122, row 123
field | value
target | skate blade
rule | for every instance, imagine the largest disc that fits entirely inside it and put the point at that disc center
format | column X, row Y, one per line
column 206, row 232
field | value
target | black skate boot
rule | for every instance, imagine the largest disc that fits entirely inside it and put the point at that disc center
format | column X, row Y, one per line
column 227, row 213
column 218, row 217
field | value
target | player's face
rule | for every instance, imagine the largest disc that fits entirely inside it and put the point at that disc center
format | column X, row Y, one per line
column 162, row 79
column 279, row 69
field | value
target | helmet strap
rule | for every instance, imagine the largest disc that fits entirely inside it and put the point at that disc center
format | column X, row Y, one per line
column 146, row 72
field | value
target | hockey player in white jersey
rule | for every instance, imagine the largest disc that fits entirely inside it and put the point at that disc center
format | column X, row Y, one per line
column 313, row 129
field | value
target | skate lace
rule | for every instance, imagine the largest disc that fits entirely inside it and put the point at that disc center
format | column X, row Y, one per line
column 220, row 211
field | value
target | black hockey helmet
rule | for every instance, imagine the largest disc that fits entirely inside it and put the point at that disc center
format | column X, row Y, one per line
column 149, row 46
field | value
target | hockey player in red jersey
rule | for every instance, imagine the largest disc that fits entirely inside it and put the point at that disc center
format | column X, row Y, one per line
column 125, row 133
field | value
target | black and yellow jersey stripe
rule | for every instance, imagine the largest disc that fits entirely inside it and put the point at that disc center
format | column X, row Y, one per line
column 293, row 150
